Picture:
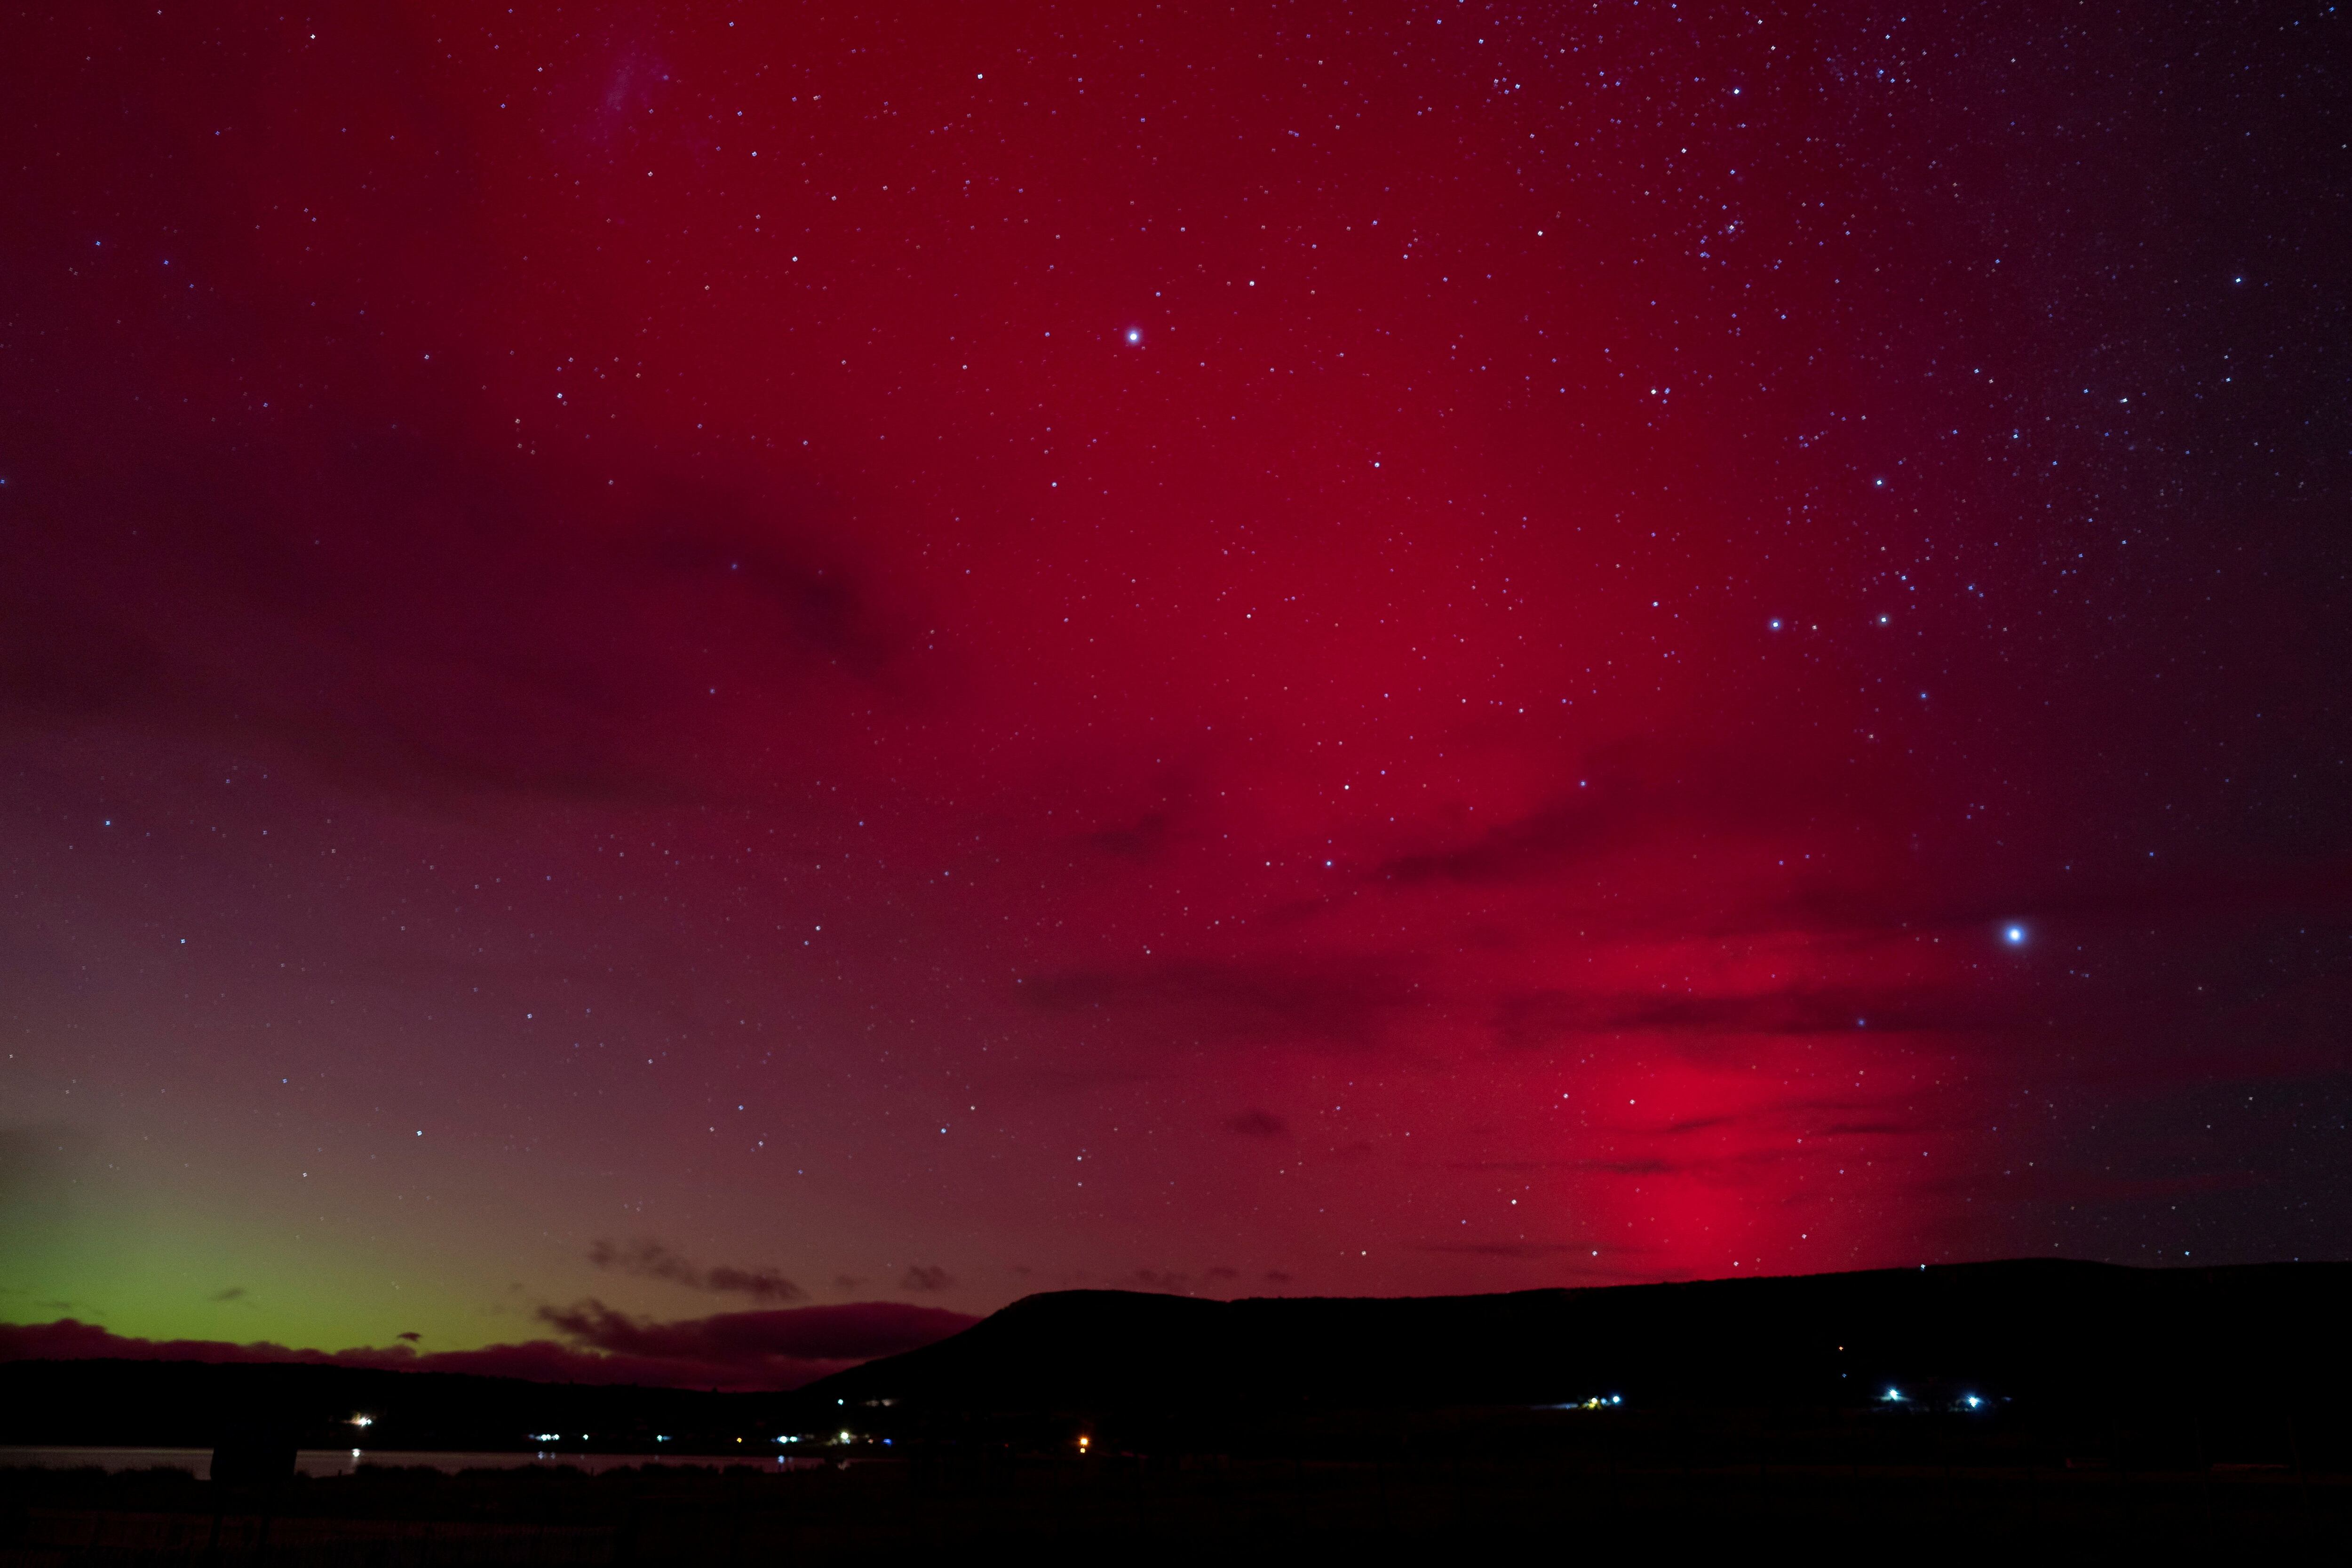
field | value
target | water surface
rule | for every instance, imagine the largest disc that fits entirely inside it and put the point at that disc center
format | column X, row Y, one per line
column 346, row 1461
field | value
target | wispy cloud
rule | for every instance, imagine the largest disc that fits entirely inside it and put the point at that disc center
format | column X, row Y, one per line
column 651, row 1260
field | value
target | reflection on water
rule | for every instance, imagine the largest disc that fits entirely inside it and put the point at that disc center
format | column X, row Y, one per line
column 344, row 1461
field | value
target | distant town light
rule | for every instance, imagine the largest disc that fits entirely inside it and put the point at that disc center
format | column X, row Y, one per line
column 363, row 1420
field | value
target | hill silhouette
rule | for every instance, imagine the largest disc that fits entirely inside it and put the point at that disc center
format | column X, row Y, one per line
column 2055, row 1331
column 2262, row 1344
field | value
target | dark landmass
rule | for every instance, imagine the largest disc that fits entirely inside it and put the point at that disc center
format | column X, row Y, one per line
column 2038, row 1405
column 2046, row 1339
column 2256, row 1348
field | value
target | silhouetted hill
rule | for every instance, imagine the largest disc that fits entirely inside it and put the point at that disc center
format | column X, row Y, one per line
column 2053, row 1330
column 2266, row 1343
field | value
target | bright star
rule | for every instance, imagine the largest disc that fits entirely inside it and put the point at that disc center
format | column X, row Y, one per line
column 2014, row 936
column 1135, row 335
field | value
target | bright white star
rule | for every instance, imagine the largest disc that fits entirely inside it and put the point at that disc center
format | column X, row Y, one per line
column 1135, row 335
column 2014, row 936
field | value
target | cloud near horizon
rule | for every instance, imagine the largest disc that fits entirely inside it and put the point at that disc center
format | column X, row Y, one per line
column 650, row 1260
column 736, row 1351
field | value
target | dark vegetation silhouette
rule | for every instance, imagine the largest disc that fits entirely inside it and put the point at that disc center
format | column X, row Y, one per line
column 2058, row 1334
column 2029, row 1404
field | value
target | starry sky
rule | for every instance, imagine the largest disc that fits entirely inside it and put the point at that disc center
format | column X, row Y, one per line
column 672, row 665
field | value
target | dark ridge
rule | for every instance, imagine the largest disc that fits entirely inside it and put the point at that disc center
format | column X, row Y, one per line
column 2081, row 1339
column 2044, row 1328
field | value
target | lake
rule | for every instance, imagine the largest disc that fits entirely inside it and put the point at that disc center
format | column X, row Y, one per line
column 344, row 1461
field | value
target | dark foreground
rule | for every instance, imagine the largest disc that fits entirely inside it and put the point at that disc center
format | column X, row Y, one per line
column 2025, row 1407
column 1120, row 1508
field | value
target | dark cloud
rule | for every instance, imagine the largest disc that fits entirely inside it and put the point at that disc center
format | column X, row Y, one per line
column 1639, row 1165
column 234, row 1293
column 1699, row 1124
column 926, row 1276
column 778, row 1349
column 723, row 553
column 1541, row 1017
column 1138, row 840
column 1535, row 846
column 414, row 610
column 651, row 1260
column 542, row 1361
column 410, row 1336
column 760, row 1284
column 1660, row 787
column 854, row 1332
column 1258, row 1124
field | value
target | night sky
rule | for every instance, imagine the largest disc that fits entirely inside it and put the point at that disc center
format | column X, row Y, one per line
column 723, row 662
